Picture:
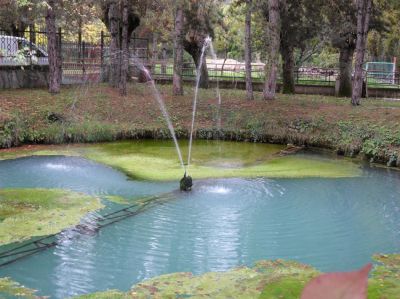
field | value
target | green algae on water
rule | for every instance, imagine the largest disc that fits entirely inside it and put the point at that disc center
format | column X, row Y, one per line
column 27, row 213
column 157, row 160
column 12, row 289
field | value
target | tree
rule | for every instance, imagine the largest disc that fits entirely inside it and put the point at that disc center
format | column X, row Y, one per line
column 124, row 48
column 247, row 50
column 273, row 32
column 200, row 17
column 112, row 16
column 178, row 50
column 342, row 23
column 16, row 16
column 363, row 15
column 300, row 22
column 53, row 49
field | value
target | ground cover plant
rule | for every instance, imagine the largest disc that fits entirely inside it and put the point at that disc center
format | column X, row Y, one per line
column 98, row 113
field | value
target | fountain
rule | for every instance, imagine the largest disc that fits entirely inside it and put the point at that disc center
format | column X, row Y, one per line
column 207, row 42
column 186, row 182
column 163, row 109
column 214, row 56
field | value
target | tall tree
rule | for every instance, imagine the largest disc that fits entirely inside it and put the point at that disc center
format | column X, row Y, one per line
column 112, row 16
column 53, row 48
column 300, row 21
column 124, row 48
column 363, row 16
column 114, row 51
column 342, row 23
column 273, row 32
column 178, row 49
column 247, row 50
column 200, row 17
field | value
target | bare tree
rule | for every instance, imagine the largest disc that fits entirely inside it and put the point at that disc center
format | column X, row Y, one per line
column 178, row 50
column 247, row 50
column 363, row 16
column 271, row 67
column 53, row 49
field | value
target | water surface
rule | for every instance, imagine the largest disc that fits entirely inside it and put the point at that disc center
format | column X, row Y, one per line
column 332, row 224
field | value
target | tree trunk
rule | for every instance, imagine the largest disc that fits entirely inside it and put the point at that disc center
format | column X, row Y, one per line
column 288, row 68
column 195, row 51
column 124, row 49
column 54, row 69
column 178, row 51
column 115, row 57
column 271, row 68
column 204, row 80
column 363, row 15
column 345, row 69
column 247, row 50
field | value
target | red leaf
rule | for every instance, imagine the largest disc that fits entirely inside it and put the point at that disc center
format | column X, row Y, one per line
column 346, row 285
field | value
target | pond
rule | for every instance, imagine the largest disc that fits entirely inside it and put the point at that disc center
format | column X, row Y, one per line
column 333, row 224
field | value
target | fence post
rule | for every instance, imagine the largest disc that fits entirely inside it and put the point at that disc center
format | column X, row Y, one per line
column 30, row 43
column 83, row 60
column 60, row 60
column 101, row 49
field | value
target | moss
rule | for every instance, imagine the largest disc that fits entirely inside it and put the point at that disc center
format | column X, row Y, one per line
column 242, row 282
column 117, row 199
column 157, row 160
column 385, row 280
column 26, row 213
column 111, row 294
column 12, row 289
column 286, row 287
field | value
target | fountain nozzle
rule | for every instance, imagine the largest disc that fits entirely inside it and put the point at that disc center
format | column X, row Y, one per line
column 186, row 183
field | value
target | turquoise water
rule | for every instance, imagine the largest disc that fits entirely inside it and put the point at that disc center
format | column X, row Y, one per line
column 332, row 224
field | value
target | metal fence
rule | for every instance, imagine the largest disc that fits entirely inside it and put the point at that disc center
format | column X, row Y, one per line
column 84, row 62
column 237, row 72
column 27, row 48
column 383, row 79
column 302, row 76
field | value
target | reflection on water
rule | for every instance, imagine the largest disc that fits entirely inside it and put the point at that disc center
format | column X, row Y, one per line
column 332, row 224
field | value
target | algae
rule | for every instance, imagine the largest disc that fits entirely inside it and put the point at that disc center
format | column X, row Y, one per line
column 266, row 279
column 157, row 160
column 12, row 289
column 117, row 199
column 26, row 213
column 385, row 280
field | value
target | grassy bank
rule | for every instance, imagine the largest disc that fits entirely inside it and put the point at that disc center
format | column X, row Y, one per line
column 97, row 113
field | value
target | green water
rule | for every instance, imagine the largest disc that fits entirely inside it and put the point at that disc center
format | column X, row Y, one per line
column 334, row 224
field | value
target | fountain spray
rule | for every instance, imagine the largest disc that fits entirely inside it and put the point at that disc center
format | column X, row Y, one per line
column 186, row 182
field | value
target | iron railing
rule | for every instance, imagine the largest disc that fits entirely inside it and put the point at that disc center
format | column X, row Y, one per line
column 27, row 47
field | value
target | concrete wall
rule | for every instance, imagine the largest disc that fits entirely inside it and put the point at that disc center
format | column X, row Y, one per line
column 23, row 77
